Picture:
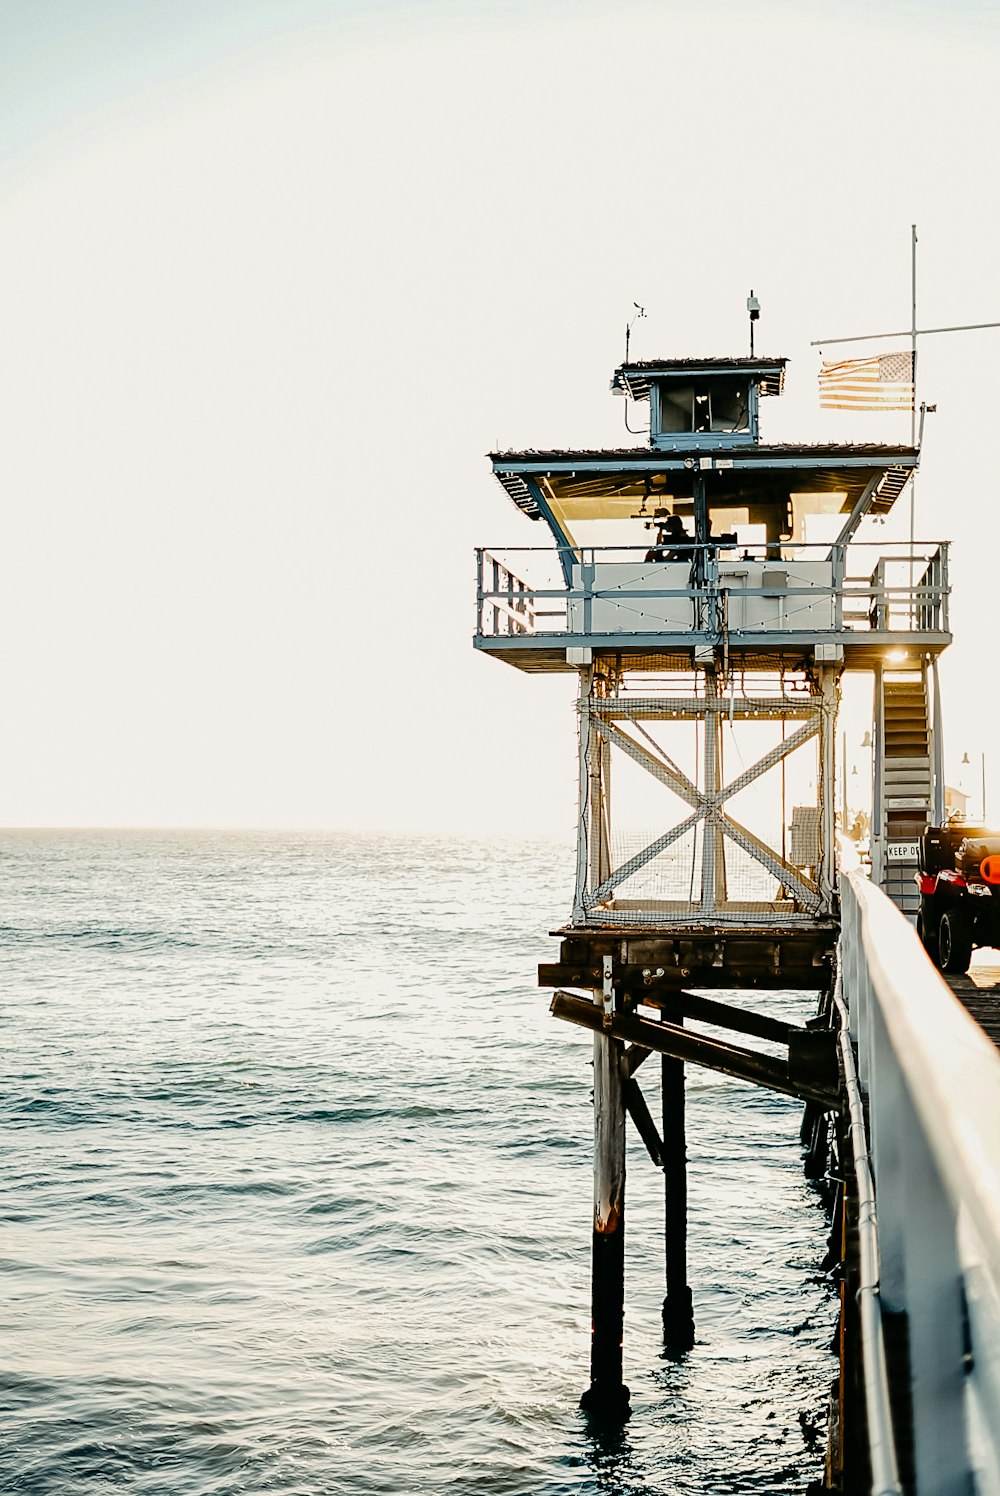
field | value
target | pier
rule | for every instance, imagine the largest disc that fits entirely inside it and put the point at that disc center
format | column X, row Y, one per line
column 710, row 592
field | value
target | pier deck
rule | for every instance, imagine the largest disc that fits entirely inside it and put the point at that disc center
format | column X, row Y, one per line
column 979, row 994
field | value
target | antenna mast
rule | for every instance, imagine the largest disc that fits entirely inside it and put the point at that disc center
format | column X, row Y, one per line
column 753, row 307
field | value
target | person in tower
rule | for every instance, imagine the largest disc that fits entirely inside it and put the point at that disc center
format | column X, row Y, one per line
column 672, row 541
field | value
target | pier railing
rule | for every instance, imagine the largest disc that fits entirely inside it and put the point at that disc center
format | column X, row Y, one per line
column 929, row 1242
column 849, row 592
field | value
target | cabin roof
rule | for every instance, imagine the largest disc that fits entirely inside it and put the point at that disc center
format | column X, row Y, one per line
column 828, row 451
column 612, row 483
column 634, row 379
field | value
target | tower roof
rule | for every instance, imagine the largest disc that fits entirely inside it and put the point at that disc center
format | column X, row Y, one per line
column 612, row 484
column 634, row 379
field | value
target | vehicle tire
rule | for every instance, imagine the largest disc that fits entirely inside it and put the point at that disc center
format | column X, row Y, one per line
column 927, row 933
column 955, row 941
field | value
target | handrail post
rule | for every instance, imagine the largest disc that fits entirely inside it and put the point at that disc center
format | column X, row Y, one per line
column 945, row 589
column 839, row 572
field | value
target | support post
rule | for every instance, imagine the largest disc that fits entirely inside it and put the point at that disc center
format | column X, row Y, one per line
column 678, row 1313
column 600, row 805
column 937, row 739
column 878, row 823
column 585, row 733
column 713, row 857
column 607, row 1396
column 826, row 872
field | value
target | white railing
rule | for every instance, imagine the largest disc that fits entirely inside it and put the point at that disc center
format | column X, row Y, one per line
column 931, row 1078
column 847, row 591
column 505, row 604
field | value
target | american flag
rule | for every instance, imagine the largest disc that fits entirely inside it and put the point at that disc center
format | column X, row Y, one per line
column 881, row 383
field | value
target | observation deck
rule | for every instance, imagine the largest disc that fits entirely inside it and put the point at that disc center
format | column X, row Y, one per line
column 859, row 603
column 767, row 557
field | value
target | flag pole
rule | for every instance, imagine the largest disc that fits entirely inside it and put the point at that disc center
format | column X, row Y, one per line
column 922, row 332
column 913, row 397
column 913, row 332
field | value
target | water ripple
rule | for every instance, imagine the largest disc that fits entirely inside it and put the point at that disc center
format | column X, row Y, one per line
column 296, row 1191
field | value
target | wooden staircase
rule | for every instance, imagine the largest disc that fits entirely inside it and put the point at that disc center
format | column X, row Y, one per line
column 907, row 782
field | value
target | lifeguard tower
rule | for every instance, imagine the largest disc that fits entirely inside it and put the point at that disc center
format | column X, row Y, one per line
column 709, row 652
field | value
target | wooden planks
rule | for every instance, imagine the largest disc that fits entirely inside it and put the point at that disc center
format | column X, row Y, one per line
column 979, row 994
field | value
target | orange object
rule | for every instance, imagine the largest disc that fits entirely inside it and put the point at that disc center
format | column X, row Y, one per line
column 990, row 868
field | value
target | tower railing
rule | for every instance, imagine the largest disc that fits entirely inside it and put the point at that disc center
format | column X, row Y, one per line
column 845, row 591
column 930, row 1241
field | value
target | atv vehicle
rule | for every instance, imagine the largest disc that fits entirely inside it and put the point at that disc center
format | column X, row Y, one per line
column 959, row 883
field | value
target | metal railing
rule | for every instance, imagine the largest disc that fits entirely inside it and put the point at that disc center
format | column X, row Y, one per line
column 931, row 1080
column 506, row 604
column 843, row 590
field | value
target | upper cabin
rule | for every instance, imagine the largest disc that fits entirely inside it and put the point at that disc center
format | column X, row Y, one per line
column 707, row 538
column 713, row 401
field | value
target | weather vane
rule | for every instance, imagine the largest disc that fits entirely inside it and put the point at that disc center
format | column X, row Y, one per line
column 640, row 311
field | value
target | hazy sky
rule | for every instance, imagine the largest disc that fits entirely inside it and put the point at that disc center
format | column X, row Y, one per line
column 276, row 275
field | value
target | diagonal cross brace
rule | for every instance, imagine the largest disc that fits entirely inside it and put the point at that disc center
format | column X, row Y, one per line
column 785, row 872
column 679, row 782
column 774, row 756
column 673, row 778
column 647, row 855
column 707, row 807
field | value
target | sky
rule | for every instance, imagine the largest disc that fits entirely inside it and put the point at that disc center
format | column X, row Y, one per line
column 274, row 277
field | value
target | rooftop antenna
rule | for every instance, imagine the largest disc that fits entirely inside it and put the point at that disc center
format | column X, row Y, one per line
column 640, row 311
column 753, row 307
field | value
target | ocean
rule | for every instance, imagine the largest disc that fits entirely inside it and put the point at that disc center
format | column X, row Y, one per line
column 296, row 1190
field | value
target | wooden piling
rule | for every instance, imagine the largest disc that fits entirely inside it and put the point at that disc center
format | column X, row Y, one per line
column 607, row 1396
column 678, row 1311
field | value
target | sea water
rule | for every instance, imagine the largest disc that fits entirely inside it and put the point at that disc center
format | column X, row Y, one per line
column 296, row 1190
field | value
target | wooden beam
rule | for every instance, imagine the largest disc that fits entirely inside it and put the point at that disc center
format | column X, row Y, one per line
column 635, row 1105
column 713, row 1054
column 683, row 1005
column 633, row 1058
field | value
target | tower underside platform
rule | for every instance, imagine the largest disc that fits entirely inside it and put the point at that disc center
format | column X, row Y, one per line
column 647, row 961
column 642, row 652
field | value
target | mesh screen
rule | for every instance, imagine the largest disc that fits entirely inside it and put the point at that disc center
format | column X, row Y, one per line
column 757, row 860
